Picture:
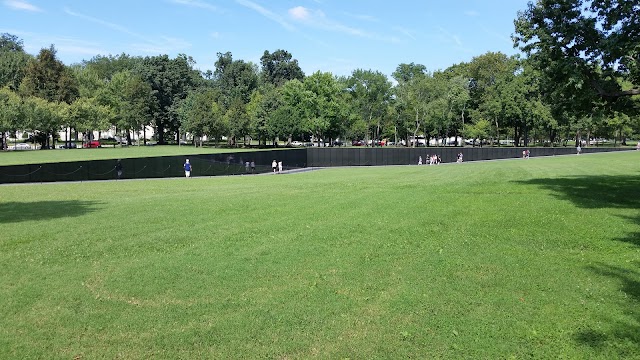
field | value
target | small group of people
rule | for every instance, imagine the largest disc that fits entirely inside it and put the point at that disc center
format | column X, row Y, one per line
column 250, row 165
column 276, row 166
column 525, row 154
column 432, row 160
column 460, row 156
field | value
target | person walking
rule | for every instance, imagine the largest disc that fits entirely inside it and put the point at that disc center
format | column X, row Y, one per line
column 274, row 166
column 119, row 169
column 578, row 149
column 419, row 160
column 187, row 168
column 253, row 166
column 279, row 167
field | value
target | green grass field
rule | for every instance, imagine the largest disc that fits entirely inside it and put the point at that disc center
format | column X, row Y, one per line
column 519, row 259
column 61, row 155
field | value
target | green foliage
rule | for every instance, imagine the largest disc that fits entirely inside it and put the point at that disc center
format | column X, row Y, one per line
column 322, row 105
column 11, row 111
column 582, row 48
column 89, row 114
column 48, row 78
column 285, row 120
column 131, row 100
column 170, row 81
column 370, row 95
column 201, row 115
column 13, row 61
column 279, row 67
column 43, row 118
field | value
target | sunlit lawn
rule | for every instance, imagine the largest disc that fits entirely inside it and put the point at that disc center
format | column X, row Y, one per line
column 522, row 259
column 118, row 152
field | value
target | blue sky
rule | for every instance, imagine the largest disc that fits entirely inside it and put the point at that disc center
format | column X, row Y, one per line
column 326, row 35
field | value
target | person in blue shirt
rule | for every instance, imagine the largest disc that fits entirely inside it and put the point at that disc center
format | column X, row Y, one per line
column 187, row 168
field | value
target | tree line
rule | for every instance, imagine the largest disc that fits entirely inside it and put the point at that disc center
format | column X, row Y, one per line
column 579, row 78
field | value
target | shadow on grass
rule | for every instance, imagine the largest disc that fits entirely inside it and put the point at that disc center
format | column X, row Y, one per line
column 615, row 192
column 593, row 192
column 13, row 212
column 622, row 332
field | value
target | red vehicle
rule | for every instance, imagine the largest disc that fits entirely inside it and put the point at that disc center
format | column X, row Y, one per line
column 91, row 144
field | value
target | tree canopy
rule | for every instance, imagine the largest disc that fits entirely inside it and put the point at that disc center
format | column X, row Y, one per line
column 584, row 45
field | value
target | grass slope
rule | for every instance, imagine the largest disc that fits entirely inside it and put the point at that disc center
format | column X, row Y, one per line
column 61, row 155
column 507, row 259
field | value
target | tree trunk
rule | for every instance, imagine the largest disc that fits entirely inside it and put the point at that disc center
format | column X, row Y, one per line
column 415, row 132
column 462, row 130
column 160, row 133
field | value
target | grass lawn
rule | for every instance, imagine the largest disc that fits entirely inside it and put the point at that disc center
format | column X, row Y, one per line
column 520, row 259
column 62, row 155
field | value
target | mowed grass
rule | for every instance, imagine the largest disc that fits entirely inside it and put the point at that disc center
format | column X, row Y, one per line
column 63, row 155
column 520, row 259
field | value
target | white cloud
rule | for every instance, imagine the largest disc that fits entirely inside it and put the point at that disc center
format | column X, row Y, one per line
column 363, row 17
column 196, row 4
column 105, row 23
column 318, row 19
column 66, row 47
column 266, row 13
column 406, row 32
column 449, row 37
column 299, row 13
column 156, row 46
column 472, row 13
column 21, row 5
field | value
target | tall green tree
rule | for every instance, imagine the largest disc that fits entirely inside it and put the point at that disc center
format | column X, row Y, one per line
column 414, row 92
column 264, row 103
column 201, row 115
column 286, row 119
column 43, row 118
column 237, row 80
column 48, row 78
column 89, row 115
column 105, row 67
column 322, row 105
column 170, row 81
column 491, row 89
column 11, row 113
column 583, row 48
column 13, row 61
column 279, row 67
column 370, row 93
column 131, row 100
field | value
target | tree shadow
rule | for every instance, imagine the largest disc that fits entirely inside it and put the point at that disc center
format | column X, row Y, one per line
column 614, row 192
column 14, row 212
column 595, row 191
column 622, row 332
